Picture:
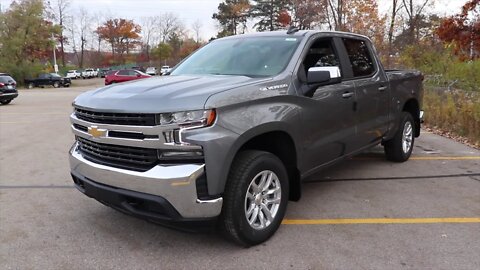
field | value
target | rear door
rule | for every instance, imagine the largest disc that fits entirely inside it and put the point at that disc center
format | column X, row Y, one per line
column 371, row 91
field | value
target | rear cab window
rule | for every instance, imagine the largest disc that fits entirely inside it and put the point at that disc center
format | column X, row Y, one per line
column 360, row 57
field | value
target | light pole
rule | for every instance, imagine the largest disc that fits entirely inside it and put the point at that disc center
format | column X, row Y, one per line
column 55, row 66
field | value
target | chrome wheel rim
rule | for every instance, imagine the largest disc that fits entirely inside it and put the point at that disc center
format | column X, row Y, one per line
column 262, row 200
column 407, row 137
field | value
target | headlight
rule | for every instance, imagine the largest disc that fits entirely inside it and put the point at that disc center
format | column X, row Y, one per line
column 201, row 118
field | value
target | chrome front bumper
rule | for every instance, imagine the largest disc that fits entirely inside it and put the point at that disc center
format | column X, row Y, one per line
column 176, row 184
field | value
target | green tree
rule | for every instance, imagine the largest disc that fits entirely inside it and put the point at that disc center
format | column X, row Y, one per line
column 25, row 38
column 231, row 15
column 162, row 52
column 269, row 13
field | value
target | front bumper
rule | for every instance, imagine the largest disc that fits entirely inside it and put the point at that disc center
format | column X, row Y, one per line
column 175, row 185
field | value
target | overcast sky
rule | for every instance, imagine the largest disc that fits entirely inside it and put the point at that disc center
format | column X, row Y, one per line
column 191, row 10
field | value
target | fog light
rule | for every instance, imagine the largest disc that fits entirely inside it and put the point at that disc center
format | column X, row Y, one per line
column 175, row 155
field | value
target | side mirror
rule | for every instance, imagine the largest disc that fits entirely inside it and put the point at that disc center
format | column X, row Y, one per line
column 139, row 75
column 315, row 77
column 318, row 76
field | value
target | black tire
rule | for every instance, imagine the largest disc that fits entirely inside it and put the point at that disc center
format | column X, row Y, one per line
column 246, row 167
column 56, row 84
column 30, row 85
column 5, row 102
column 394, row 149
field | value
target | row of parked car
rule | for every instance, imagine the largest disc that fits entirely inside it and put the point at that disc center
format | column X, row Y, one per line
column 97, row 72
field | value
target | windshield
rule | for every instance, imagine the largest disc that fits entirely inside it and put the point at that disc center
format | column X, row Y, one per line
column 55, row 75
column 253, row 57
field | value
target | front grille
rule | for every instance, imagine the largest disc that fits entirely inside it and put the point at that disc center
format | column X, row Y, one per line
column 131, row 119
column 124, row 157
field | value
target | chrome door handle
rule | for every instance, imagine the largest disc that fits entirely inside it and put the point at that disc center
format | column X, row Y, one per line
column 382, row 88
column 347, row 94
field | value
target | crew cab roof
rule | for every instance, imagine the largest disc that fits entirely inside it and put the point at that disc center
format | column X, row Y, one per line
column 300, row 33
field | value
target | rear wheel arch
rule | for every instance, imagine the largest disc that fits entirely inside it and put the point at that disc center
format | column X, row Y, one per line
column 412, row 106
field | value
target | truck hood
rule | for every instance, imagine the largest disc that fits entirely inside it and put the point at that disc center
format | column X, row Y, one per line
column 160, row 94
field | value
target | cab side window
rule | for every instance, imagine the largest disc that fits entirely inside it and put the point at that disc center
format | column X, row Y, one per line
column 320, row 54
column 360, row 57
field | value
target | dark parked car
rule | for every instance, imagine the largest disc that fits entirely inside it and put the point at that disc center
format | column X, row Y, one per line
column 124, row 75
column 103, row 72
column 52, row 79
column 8, row 89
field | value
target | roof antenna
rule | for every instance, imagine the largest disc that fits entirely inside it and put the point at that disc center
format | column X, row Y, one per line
column 292, row 30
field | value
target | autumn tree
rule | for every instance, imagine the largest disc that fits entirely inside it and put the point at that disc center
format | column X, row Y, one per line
column 25, row 38
column 232, row 15
column 463, row 30
column 307, row 14
column 268, row 14
column 362, row 17
column 122, row 35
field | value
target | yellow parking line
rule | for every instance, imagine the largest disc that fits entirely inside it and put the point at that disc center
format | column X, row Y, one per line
column 425, row 158
column 446, row 158
column 378, row 221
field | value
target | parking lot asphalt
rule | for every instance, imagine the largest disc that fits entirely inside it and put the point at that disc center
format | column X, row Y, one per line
column 364, row 213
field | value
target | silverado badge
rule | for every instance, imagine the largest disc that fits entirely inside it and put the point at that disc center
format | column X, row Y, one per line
column 96, row 132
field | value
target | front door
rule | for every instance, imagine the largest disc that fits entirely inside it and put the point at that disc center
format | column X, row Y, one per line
column 329, row 116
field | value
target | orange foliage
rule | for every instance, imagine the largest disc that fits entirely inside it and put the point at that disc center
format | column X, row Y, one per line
column 123, row 35
column 463, row 30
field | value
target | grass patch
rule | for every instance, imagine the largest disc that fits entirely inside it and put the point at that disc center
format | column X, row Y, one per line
column 456, row 112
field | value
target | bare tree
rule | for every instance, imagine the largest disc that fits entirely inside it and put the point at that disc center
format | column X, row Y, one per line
column 336, row 9
column 149, row 33
column 168, row 24
column 396, row 7
column 83, row 30
column 414, row 11
column 60, row 11
column 196, row 26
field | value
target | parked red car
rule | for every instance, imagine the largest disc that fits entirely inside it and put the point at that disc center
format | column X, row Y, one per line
column 124, row 75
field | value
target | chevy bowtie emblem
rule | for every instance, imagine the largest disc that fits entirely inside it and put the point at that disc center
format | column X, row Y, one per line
column 97, row 132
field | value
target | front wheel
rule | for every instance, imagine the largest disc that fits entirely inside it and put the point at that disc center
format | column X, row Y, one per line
column 56, row 84
column 5, row 102
column 400, row 147
column 30, row 85
column 255, row 198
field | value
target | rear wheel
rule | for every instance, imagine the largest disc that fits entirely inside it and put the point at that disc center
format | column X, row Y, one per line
column 56, row 84
column 256, row 197
column 5, row 102
column 400, row 147
column 30, row 85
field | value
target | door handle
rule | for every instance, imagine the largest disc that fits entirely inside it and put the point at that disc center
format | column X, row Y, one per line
column 382, row 88
column 347, row 94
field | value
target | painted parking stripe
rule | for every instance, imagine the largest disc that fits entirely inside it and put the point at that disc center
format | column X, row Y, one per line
column 379, row 221
column 424, row 158
column 446, row 158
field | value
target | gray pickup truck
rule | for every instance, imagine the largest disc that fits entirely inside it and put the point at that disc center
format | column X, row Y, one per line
column 230, row 134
